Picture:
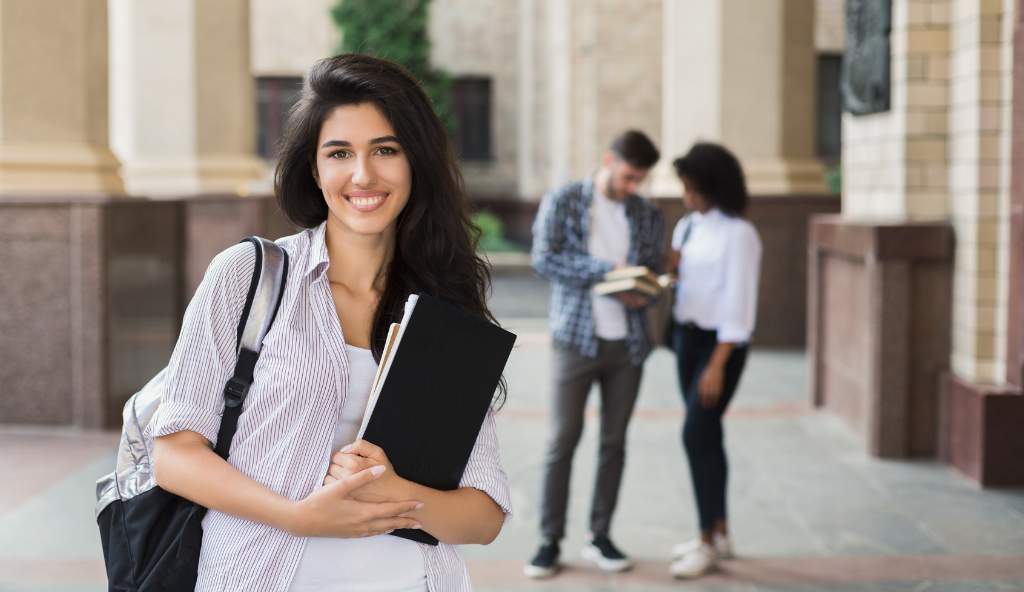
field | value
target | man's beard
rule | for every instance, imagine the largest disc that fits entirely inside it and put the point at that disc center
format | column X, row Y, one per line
column 609, row 190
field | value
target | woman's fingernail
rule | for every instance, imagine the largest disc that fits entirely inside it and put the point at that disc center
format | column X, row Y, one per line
column 346, row 448
column 419, row 506
column 389, row 531
column 377, row 470
column 416, row 527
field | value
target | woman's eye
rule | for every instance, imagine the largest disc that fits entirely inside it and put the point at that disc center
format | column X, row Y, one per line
column 340, row 154
column 387, row 151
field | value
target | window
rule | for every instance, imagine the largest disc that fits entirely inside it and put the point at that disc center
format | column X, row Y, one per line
column 274, row 98
column 830, row 108
column 471, row 110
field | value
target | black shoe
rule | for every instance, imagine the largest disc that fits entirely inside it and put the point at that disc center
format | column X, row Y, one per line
column 545, row 563
column 606, row 555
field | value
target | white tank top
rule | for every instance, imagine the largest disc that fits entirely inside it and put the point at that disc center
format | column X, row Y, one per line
column 377, row 564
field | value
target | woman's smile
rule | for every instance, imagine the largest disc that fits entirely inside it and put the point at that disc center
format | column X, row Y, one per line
column 366, row 201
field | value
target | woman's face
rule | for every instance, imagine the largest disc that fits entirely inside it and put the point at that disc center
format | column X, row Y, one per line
column 362, row 170
column 692, row 198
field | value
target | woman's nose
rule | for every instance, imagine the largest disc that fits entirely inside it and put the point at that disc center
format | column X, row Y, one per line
column 363, row 174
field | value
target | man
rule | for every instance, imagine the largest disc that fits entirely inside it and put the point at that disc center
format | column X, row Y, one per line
column 582, row 231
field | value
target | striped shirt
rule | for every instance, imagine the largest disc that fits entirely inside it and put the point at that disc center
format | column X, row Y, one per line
column 560, row 253
column 285, row 432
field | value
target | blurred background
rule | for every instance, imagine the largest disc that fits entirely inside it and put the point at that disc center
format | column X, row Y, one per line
column 882, row 148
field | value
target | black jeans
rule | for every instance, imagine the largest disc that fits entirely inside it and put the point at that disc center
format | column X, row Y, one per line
column 702, row 429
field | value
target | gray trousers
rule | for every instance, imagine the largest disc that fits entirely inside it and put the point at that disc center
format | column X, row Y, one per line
column 573, row 374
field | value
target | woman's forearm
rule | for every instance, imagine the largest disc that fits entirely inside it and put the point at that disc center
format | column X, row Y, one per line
column 185, row 465
column 462, row 516
column 721, row 354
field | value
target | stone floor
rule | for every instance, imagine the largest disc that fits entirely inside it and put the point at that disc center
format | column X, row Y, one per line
column 809, row 510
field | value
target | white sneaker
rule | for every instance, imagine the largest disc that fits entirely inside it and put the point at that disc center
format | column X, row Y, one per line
column 723, row 548
column 606, row 556
column 695, row 563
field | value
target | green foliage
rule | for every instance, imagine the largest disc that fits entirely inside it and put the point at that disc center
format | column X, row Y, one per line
column 834, row 178
column 492, row 232
column 395, row 30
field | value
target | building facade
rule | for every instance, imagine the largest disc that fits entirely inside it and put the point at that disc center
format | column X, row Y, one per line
column 136, row 139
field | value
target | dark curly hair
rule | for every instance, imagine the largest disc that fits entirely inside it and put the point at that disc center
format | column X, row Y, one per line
column 435, row 241
column 717, row 175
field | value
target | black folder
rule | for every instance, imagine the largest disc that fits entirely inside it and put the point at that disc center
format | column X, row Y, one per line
column 441, row 380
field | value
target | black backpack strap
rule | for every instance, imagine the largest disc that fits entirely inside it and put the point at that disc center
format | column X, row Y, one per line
column 268, row 280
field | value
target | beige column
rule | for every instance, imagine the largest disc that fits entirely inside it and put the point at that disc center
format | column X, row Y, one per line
column 589, row 69
column 743, row 74
column 182, row 96
column 53, row 98
column 981, row 83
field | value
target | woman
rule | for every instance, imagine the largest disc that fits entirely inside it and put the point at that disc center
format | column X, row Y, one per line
column 718, row 257
column 367, row 170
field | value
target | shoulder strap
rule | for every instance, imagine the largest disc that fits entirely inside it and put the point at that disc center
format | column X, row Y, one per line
column 269, row 275
column 687, row 230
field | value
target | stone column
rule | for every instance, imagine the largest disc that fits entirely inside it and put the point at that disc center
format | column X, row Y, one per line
column 743, row 74
column 589, row 69
column 182, row 96
column 53, row 98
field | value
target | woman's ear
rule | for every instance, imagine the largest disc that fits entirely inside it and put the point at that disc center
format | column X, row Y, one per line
column 316, row 175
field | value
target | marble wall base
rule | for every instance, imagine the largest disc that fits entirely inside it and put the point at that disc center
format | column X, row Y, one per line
column 981, row 432
column 878, row 335
column 93, row 289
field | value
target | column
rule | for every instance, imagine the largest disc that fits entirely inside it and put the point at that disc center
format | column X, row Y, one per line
column 743, row 74
column 182, row 95
column 53, row 99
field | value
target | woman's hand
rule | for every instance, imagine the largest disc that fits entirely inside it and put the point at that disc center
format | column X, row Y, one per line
column 334, row 510
column 359, row 456
column 710, row 386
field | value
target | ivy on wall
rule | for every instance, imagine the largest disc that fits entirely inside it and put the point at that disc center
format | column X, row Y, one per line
column 395, row 30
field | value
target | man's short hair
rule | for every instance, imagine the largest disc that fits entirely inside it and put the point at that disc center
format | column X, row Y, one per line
column 635, row 148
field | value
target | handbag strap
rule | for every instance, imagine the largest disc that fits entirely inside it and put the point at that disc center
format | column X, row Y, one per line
column 269, row 275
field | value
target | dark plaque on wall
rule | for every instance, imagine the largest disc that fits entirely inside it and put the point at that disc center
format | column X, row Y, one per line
column 865, row 81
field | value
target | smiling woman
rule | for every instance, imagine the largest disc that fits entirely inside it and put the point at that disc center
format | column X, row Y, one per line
column 362, row 170
column 365, row 167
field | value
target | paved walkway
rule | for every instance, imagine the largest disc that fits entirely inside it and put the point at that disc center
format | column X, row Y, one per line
column 810, row 511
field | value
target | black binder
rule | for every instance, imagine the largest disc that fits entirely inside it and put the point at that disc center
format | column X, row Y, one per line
column 435, row 393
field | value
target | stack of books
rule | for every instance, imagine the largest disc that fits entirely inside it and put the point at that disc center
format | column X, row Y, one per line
column 634, row 280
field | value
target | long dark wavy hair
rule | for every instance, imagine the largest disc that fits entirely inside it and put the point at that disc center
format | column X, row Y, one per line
column 435, row 241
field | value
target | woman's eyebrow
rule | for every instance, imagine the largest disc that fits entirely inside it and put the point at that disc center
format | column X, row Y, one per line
column 347, row 144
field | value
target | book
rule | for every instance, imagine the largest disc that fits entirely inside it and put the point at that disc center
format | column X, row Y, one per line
column 637, row 280
column 639, row 286
column 435, row 382
column 637, row 271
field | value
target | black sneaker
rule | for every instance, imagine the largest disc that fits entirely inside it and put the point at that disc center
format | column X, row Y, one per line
column 607, row 557
column 545, row 563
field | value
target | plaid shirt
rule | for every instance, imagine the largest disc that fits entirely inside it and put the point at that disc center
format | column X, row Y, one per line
column 560, row 234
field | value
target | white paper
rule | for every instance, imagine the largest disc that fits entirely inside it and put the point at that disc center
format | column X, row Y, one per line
column 410, row 305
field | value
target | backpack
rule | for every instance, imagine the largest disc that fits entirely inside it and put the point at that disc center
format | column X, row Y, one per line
column 151, row 537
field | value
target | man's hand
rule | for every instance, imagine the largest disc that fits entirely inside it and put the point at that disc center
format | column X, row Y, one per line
column 632, row 301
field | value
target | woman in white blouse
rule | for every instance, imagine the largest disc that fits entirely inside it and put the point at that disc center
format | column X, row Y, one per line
column 367, row 171
column 718, row 255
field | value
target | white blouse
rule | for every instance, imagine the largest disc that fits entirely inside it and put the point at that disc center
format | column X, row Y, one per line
column 382, row 563
column 718, row 274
